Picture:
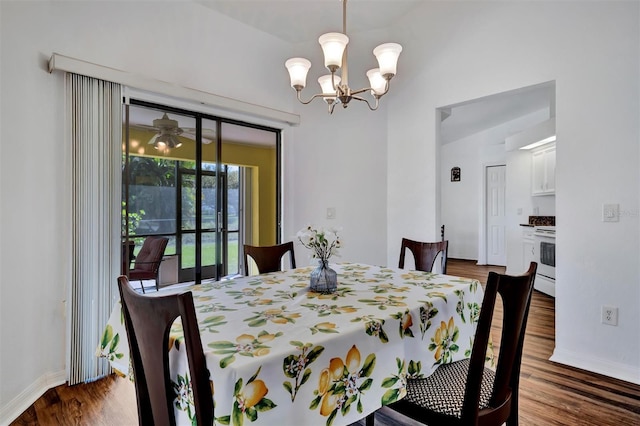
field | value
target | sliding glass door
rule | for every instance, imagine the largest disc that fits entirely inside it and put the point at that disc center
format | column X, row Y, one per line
column 208, row 184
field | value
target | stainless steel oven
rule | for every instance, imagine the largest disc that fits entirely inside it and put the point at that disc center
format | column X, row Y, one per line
column 544, row 238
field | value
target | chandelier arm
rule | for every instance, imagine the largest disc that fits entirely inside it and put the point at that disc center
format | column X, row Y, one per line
column 372, row 108
column 386, row 89
column 317, row 95
column 333, row 82
column 357, row 92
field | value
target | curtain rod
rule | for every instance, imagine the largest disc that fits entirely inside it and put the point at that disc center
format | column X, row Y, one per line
column 59, row 62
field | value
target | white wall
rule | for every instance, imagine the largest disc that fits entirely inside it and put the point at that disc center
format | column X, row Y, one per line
column 591, row 49
column 339, row 160
column 179, row 42
column 378, row 170
column 461, row 203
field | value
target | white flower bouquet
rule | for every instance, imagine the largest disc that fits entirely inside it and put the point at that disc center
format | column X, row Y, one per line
column 323, row 243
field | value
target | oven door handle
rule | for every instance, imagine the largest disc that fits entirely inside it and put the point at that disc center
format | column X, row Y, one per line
column 543, row 235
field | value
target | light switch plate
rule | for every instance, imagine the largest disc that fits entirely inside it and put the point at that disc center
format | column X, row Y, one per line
column 331, row 213
column 610, row 212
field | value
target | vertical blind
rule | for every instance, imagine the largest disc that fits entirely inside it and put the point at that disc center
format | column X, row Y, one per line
column 95, row 120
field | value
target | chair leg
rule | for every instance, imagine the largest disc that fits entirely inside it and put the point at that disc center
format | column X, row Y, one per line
column 142, row 286
column 370, row 419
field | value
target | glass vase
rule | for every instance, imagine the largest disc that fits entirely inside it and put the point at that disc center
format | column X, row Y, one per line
column 323, row 278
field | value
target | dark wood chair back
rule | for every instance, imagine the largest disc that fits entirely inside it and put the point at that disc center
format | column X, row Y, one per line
column 424, row 254
column 268, row 258
column 147, row 263
column 148, row 321
column 515, row 293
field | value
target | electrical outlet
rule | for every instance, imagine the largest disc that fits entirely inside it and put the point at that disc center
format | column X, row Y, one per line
column 610, row 315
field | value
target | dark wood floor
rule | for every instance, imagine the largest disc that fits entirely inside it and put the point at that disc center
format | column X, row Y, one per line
column 550, row 394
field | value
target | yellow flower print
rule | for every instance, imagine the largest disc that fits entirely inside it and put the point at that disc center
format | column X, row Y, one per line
column 253, row 393
column 324, row 382
column 383, row 302
column 267, row 337
column 326, row 309
column 245, row 339
column 324, row 327
column 261, row 352
column 260, row 302
column 245, row 345
column 336, row 368
column 353, row 359
column 247, row 292
column 443, row 342
column 250, row 400
column 277, row 316
column 386, row 287
column 417, row 276
column 296, row 367
column 329, row 404
column 405, row 322
column 342, row 383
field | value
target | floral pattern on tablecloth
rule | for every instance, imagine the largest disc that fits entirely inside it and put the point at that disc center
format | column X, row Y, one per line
column 280, row 354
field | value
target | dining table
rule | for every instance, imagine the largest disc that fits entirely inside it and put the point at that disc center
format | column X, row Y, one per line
column 281, row 354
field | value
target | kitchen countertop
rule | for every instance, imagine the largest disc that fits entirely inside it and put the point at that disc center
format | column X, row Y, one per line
column 542, row 220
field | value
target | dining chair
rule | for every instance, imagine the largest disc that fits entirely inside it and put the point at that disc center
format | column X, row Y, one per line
column 268, row 258
column 466, row 392
column 424, row 254
column 148, row 320
column 128, row 255
column 147, row 263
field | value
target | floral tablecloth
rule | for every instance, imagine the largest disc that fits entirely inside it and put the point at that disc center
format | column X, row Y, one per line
column 280, row 354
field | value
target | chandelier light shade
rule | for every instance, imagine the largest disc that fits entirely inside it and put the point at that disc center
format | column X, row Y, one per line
column 335, row 89
column 333, row 47
column 327, row 86
column 298, row 69
column 377, row 82
column 387, row 55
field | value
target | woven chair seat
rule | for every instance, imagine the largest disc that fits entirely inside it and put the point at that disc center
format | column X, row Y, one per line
column 443, row 391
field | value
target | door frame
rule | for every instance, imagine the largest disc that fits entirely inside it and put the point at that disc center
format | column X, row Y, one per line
column 220, row 269
column 482, row 231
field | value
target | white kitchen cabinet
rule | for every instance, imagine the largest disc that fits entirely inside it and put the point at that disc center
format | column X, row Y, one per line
column 528, row 248
column 543, row 180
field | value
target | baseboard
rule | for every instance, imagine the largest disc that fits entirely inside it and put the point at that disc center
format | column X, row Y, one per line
column 597, row 365
column 14, row 408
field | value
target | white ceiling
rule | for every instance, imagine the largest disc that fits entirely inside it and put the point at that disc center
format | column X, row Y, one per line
column 305, row 20
column 471, row 117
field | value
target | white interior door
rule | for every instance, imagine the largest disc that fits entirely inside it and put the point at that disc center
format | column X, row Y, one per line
column 496, row 220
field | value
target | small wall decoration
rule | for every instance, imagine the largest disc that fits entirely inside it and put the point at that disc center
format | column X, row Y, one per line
column 455, row 174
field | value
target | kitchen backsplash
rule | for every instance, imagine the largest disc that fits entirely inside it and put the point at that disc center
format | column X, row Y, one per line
column 542, row 220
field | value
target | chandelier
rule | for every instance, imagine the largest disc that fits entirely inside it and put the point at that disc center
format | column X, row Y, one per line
column 335, row 89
